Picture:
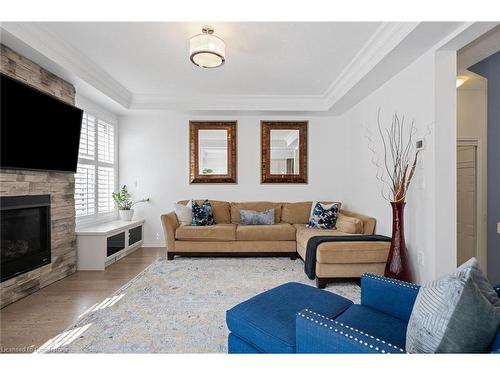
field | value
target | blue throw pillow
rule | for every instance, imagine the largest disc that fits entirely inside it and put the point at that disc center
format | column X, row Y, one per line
column 249, row 217
column 323, row 216
column 202, row 215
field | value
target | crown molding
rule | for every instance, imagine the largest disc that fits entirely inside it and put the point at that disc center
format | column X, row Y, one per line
column 38, row 37
column 229, row 102
column 387, row 37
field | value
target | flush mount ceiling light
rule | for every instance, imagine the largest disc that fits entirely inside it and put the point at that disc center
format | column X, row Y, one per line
column 461, row 80
column 207, row 50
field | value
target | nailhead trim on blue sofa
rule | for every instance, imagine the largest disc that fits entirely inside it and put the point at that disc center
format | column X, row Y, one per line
column 392, row 281
column 338, row 330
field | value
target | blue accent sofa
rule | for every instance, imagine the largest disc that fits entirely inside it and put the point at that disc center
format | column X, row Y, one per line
column 297, row 318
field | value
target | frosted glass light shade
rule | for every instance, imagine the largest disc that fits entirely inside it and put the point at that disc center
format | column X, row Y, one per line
column 207, row 51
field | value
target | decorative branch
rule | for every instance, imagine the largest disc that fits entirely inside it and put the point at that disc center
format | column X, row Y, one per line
column 398, row 168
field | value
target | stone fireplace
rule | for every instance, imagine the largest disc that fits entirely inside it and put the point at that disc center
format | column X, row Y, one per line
column 57, row 188
column 25, row 234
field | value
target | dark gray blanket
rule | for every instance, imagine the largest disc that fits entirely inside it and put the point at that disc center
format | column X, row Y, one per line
column 314, row 242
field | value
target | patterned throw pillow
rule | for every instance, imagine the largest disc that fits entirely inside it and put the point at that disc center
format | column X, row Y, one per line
column 249, row 217
column 323, row 216
column 202, row 215
column 459, row 313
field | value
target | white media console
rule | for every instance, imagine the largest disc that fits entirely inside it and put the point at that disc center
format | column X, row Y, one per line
column 102, row 244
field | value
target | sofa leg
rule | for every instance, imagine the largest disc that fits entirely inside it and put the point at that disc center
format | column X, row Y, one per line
column 170, row 256
column 293, row 256
column 320, row 283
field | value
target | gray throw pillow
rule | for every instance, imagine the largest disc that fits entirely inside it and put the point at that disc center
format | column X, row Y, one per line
column 249, row 217
column 184, row 213
column 459, row 313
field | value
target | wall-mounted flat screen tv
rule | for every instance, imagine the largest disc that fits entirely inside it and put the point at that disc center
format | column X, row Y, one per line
column 38, row 131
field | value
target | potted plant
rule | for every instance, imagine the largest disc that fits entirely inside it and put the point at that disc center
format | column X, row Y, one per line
column 125, row 204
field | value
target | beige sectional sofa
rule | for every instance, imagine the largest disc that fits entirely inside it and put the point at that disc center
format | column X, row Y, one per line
column 288, row 237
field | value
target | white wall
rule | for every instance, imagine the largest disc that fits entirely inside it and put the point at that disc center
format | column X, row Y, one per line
column 445, row 163
column 412, row 93
column 471, row 111
column 154, row 162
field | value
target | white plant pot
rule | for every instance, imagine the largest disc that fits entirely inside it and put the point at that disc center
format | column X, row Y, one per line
column 126, row 215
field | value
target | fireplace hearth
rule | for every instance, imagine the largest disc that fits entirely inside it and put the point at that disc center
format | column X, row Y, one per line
column 25, row 234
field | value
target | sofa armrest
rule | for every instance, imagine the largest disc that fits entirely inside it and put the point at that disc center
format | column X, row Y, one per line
column 170, row 224
column 390, row 296
column 368, row 222
column 315, row 333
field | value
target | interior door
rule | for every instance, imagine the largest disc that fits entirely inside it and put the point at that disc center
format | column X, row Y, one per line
column 466, row 203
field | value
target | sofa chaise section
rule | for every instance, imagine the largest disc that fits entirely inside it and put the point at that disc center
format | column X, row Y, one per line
column 342, row 259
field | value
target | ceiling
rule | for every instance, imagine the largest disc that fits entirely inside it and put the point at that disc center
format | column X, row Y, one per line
column 261, row 58
column 270, row 66
column 479, row 49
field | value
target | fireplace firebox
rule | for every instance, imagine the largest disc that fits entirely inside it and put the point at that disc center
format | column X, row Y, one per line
column 25, row 234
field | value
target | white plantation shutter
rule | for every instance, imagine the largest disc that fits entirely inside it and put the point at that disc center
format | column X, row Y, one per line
column 87, row 138
column 85, row 190
column 106, row 186
column 96, row 174
column 105, row 142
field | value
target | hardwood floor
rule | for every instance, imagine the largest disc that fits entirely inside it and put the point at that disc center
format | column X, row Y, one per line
column 28, row 323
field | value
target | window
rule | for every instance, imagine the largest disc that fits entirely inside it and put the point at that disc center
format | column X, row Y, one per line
column 96, row 174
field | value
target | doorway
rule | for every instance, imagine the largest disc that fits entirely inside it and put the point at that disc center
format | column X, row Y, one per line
column 467, row 202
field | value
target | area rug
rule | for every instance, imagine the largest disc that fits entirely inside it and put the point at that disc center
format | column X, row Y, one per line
column 179, row 306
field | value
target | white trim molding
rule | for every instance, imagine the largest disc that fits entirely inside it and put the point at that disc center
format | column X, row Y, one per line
column 230, row 102
column 387, row 37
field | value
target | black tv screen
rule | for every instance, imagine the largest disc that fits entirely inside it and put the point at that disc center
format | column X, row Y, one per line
column 38, row 131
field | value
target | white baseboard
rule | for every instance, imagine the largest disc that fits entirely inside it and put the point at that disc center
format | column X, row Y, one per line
column 153, row 244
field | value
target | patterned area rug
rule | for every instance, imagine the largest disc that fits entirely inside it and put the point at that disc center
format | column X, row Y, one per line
column 179, row 306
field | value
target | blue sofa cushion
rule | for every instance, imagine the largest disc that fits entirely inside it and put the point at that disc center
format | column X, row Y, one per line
column 235, row 345
column 382, row 326
column 495, row 345
column 389, row 296
column 267, row 321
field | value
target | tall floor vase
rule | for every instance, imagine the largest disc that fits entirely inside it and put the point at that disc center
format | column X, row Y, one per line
column 397, row 266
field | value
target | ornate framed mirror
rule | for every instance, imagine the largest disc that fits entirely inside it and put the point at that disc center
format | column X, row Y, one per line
column 284, row 152
column 212, row 152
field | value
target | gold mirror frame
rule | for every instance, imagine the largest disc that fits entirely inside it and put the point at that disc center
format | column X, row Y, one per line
column 265, row 145
column 194, row 176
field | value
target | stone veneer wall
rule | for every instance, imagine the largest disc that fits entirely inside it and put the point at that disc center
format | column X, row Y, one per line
column 60, row 186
